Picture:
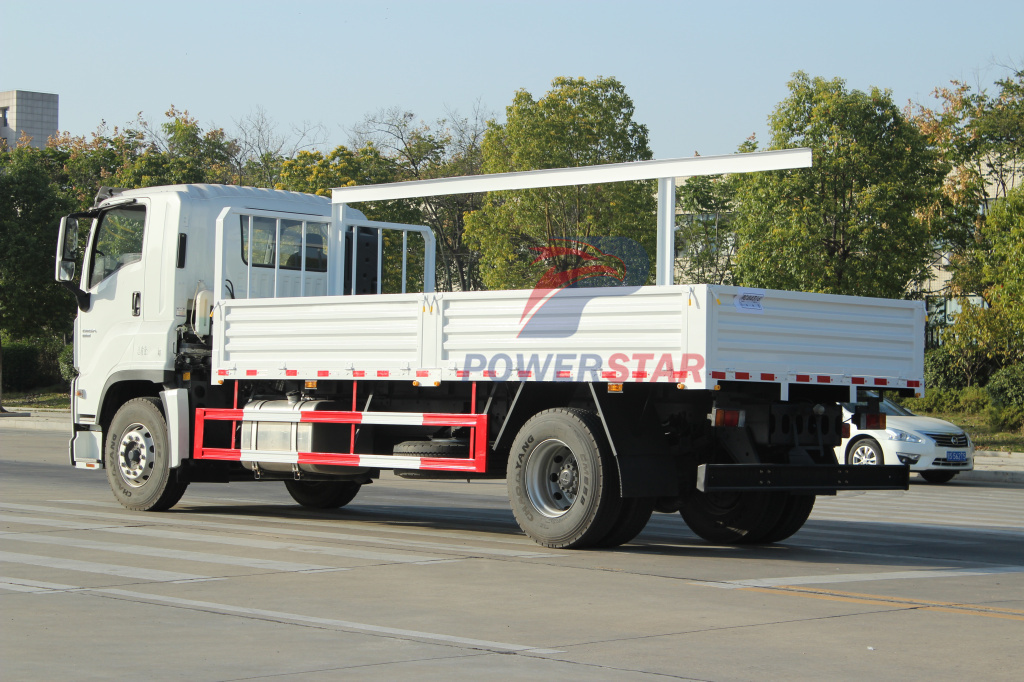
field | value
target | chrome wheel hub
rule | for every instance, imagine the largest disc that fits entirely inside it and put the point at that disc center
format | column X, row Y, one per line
column 136, row 455
column 552, row 478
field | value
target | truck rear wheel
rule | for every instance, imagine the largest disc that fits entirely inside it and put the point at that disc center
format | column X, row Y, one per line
column 794, row 515
column 562, row 479
column 732, row 517
column 633, row 518
column 322, row 494
column 137, row 455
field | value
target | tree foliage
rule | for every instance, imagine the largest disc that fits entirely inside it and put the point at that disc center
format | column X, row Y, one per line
column 578, row 122
column 705, row 238
column 31, row 302
column 419, row 151
column 849, row 224
column 981, row 137
column 996, row 329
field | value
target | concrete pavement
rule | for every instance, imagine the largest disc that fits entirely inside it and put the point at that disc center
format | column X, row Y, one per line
column 989, row 465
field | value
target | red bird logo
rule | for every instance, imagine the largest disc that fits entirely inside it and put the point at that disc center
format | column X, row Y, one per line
column 597, row 264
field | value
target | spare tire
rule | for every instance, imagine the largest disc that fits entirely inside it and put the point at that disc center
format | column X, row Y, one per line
column 437, row 447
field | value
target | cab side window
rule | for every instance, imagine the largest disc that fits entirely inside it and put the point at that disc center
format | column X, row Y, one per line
column 118, row 241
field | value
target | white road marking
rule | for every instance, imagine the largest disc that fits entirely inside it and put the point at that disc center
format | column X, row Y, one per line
column 223, row 540
column 24, row 585
column 94, row 567
column 20, row 585
column 397, row 528
column 859, row 577
column 153, row 519
column 163, row 553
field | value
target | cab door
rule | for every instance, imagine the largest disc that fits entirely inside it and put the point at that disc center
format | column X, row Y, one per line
column 114, row 279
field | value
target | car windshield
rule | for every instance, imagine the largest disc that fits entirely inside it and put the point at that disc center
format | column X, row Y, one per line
column 887, row 407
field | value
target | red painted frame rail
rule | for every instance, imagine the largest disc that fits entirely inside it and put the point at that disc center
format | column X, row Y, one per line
column 477, row 424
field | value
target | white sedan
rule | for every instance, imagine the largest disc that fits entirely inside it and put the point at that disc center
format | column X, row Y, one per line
column 932, row 447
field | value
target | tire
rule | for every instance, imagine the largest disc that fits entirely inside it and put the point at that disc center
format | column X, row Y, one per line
column 440, row 447
column 137, row 458
column 865, row 451
column 732, row 517
column 938, row 476
column 322, row 494
column 562, row 480
column 633, row 518
column 794, row 515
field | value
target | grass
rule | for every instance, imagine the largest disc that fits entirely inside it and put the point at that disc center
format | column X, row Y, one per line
column 984, row 436
column 49, row 397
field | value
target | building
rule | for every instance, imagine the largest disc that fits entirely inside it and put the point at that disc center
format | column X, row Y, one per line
column 33, row 114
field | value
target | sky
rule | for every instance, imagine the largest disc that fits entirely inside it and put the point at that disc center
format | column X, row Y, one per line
column 703, row 76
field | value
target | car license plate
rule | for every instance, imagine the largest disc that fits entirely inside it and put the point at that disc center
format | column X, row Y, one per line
column 956, row 456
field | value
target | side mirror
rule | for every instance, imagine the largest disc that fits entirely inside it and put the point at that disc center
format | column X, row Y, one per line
column 65, row 270
column 67, row 249
column 69, row 238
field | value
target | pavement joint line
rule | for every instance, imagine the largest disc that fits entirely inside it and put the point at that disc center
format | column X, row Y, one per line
column 792, row 581
column 923, row 602
column 278, row 616
column 282, row 616
column 881, row 600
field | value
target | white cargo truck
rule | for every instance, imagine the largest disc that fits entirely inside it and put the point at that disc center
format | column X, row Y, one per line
column 230, row 333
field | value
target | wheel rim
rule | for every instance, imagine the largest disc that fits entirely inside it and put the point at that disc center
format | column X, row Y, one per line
column 136, row 455
column 864, row 454
column 552, row 478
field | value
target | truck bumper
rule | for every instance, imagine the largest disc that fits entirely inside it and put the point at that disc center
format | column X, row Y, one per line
column 825, row 479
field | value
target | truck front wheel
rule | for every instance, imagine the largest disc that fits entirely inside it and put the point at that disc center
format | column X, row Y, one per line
column 562, row 480
column 138, row 458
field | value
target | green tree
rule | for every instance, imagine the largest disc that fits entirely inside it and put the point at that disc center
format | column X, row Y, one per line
column 179, row 152
column 849, row 224
column 578, row 122
column 32, row 304
column 997, row 327
column 705, row 237
column 981, row 137
column 419, row 151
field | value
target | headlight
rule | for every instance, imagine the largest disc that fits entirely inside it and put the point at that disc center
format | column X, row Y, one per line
column 896, row 434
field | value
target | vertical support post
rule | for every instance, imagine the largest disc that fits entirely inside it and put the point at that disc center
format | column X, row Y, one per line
column 302, row 263
column 380, row 259
column 666, row 260
column 277, row 253
column 405, row 254
column 248, row 271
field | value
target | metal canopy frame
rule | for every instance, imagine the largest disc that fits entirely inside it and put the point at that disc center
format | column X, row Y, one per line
column 663, row 170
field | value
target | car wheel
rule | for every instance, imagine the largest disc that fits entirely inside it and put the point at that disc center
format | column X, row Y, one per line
column 938, row 476
column 865, row 451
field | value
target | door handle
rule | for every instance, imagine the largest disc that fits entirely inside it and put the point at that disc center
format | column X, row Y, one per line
column 136, row 303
